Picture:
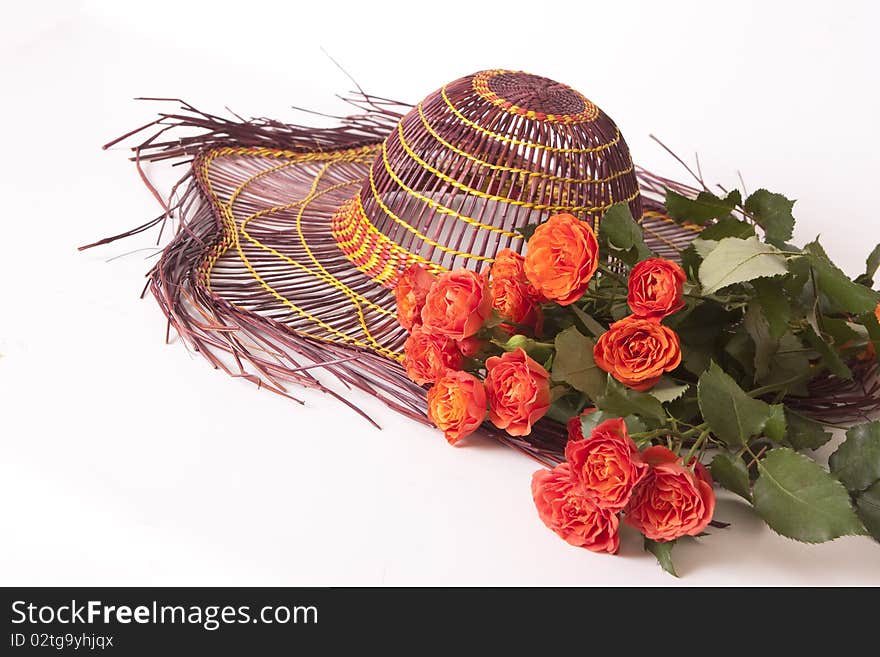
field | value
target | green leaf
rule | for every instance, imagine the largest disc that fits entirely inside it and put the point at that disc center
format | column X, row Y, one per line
column 766, row 345
column 730, row 471
column 690, row 261
column 857, row 461
column 591, row 420
column 742, row 350
column 873, row 262
column 829, row 355
column 773, row 214
column 837, row 286
column 704, row 247
column 574, row 363
column 663, row 552
column 872, row 326
column 776, row 426
column 620, row 401
column 566, row 407
column 774, row 304
column 839, row 330
column 799, row 499
column 686, row 408
column 619, row 227
column 868, row 508
column 700, row 332
column 705, row 207
column 804, row 433
column 732, row 415
column 589, row 323
column 727, row 227
column 623, row 234
column 737, row 261
column 528, row 230
column 668, row 390
column 789, row 366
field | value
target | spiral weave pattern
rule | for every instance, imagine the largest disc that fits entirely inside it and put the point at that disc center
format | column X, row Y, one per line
column 473, row 164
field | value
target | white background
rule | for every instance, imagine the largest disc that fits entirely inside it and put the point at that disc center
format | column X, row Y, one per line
column 126, row 461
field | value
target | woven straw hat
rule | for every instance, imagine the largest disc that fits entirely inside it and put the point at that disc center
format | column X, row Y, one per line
column 291, row 237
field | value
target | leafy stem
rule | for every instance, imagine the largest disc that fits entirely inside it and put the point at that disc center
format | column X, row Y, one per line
column 605, row 269
column 698, row 443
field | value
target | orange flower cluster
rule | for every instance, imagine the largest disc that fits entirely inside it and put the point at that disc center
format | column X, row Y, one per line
column 638, row 349
column 605, row 476
column 444, row 316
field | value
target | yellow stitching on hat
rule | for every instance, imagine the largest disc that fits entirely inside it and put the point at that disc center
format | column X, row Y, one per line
column 231, row 239
column 360, row 298
column 527, row 144
column 492, row 197
column 500, row 167
column 327, row 277
column 415, row 232
column 230, row 218
column 480, row 84
column 442, row 209
column 352, row 217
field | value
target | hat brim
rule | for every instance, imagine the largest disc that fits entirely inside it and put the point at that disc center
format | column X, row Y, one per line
column 277, row 256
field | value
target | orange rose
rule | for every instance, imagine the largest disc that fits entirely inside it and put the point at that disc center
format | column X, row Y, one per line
column 428, row 356
column 671, row 501
column 512, row 301
column 571, row 515
column 518, row 390
column 637, row 351
column 562, row 258
column 411, row 291
column 655, row 288
column 606, row 465
column 457, row 304
column 509, row 264
column 457, row 405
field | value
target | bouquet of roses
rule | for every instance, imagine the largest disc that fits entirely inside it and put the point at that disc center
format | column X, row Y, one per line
column 671, row 376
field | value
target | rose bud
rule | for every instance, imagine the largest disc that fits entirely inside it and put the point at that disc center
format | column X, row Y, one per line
column 470, row 347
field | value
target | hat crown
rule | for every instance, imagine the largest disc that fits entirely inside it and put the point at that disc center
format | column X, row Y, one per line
column 473, row 164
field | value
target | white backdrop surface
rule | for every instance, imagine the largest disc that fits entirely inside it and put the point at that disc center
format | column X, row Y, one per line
column 126, row 461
